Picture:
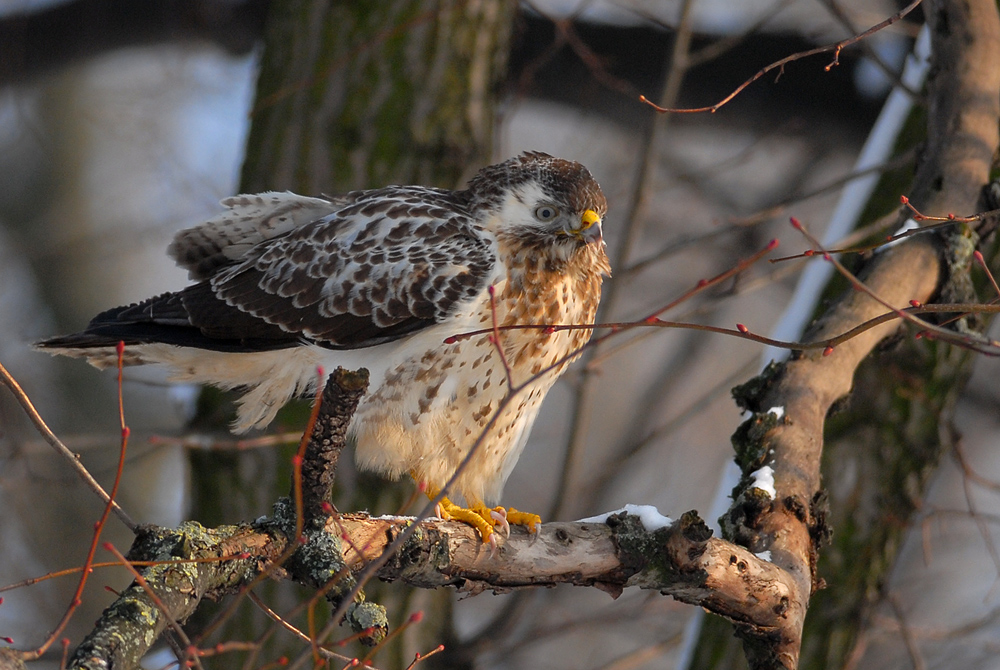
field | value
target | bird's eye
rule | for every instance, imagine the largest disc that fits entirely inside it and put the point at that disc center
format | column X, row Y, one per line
column 546, row 212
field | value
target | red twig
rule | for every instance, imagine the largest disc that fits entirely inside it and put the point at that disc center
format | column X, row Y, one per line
column 927, row 329
column 650, row 319
column 112, row 564
column 495, row 339
column 278, row 619
column 978, row 255
column 418, row 657
column 213, row 443
column 780, row 64
column 414, row 618
column 98, row 527
column 808, row 253
column 919, row 216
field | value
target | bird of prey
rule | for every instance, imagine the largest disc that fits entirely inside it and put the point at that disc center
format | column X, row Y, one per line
column 388, row 279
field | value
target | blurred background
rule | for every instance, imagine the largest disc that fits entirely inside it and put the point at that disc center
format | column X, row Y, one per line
column 120, row 126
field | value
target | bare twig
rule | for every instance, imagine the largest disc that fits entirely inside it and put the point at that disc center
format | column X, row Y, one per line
column 22, row 398
column 836, row 48
column 584, row 396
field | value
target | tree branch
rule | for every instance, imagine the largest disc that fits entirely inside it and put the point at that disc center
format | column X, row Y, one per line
column 682, row 560
column 954, row 167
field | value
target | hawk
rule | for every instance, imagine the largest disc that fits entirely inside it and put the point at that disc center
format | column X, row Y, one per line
column 392, row 280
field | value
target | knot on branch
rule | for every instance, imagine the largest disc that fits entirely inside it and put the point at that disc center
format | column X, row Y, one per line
column 318, row 562
column 666, row 554
column 750, row 440
column 752, row 497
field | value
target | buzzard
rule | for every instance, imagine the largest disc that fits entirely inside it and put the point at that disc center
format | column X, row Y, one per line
column 386, row 279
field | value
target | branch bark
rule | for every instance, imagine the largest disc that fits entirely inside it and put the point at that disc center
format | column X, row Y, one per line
column 964, row 109
column 682, row 560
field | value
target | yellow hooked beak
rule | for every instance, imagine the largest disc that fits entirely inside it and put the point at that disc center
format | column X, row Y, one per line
column 590, row 229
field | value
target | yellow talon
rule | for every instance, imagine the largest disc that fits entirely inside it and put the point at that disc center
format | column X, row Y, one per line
column 470, row 516
column 483, row 518
column 532, row 521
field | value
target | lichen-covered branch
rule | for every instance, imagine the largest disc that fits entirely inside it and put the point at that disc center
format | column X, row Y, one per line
column 192, row 562
column 682, row 560
column 188, row 569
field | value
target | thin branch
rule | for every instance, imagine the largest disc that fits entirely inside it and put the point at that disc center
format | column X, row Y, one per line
column 911, row 645
column 892, row 75
column 278, row 619
column 22, row 398
column 85, row 573
column 836, row 48
column 582, row 399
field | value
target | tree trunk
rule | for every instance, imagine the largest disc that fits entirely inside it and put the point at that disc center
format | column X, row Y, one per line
column 364, row 94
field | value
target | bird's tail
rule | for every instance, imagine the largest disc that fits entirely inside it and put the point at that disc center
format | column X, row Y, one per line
column 99, row 350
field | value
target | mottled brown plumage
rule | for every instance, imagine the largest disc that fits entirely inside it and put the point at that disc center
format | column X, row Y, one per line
column 384, row 279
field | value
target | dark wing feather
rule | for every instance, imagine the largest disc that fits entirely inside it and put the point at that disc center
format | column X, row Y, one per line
column 386, row 263
column 394, row 261
column 165, row 319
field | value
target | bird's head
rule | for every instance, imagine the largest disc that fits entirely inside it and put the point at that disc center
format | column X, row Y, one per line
column 551, row 204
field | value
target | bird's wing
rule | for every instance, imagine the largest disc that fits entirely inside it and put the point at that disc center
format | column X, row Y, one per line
column 389, row 263
column 279, row 269
column 247, row 221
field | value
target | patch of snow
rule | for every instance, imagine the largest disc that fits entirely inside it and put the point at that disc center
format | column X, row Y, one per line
column 777, row 411
column 763, row 479
column 394, row 517
column 764, row 555
column 649, row 516
column 909, row 225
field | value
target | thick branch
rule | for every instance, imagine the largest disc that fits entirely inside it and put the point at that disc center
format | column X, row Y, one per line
column 682, row 560
column 173, row 589
column 962, row 131
column 341, row 395
column 791, row 526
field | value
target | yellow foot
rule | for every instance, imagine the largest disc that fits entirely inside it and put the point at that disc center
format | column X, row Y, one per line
column 532, row 521
column 483, row 518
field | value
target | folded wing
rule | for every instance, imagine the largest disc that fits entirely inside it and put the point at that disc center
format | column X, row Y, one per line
column 279, row 270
